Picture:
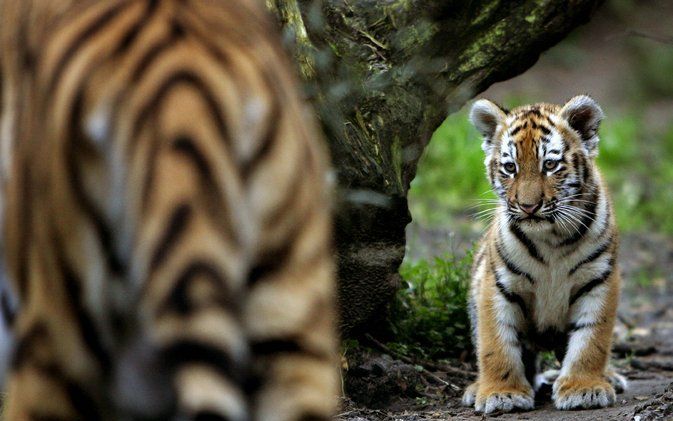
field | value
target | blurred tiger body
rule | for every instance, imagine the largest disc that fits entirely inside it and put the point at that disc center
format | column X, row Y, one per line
column 166, row 215
column 545, row 276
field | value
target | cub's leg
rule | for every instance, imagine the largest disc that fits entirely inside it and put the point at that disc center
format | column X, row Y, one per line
column 584, row 380
column 470, row 394
column 529, row 358
column 548, row 377
column 502, row 384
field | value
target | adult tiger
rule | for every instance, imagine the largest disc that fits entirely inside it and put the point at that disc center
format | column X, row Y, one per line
column 167, row 218
column 545, row 276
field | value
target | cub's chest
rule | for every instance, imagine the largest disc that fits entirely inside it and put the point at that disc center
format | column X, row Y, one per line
column 549, row 290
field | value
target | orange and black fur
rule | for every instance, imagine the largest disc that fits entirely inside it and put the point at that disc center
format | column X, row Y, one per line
column 545, row 276
column 166, row 215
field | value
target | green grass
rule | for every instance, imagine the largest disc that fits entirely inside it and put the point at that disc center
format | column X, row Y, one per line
column 637, row 166
column 451, row 174
column 635, row 160
column 429, row 318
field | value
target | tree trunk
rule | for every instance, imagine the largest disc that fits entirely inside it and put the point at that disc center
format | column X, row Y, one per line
column 383, row 75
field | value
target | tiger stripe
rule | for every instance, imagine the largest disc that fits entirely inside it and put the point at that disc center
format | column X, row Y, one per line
column 593, row 256
column 167, row 213
column 510, row 265
column 586, row 288
column 509, row 296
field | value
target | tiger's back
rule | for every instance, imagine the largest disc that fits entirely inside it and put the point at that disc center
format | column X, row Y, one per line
column 166, row 222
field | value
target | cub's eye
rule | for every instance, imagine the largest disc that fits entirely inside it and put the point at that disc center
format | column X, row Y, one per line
column 510, row 167
column 550, row 164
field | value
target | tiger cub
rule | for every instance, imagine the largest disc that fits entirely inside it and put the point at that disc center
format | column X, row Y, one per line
column 166, row 215
column 545, row 275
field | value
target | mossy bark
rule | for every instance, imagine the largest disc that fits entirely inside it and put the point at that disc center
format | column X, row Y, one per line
column 383, row 74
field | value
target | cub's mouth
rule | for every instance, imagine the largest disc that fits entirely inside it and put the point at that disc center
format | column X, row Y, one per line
column 535, row 219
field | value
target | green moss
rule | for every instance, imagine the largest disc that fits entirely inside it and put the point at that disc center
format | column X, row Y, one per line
column 490, row 43
column 480, row 53
column 536, row 13
column 397, row 12
column 485, row 12
column 531, row 18
column 413, row 37
column 290, row 16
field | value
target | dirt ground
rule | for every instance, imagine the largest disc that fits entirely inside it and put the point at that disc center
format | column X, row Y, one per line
column 390, row 389
column 632, row 404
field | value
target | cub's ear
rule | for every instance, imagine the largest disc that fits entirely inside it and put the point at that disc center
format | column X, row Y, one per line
column 486, row 116
column 584, row 115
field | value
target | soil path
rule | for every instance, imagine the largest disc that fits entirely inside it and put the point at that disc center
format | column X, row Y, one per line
column 628, row 404
column 643, row 352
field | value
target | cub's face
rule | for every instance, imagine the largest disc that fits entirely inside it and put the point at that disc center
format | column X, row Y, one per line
column 540, row 158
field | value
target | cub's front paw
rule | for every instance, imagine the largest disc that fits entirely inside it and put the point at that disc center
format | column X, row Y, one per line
column 470, row 394
column 505, row 400
column 575, row 392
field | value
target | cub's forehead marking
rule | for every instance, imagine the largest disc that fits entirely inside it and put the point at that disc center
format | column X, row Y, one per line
column 535, row 125
column 552, row 146
column 508, row 149
column 553, row 119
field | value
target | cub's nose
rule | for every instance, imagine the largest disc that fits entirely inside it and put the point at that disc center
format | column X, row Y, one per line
column 530, row 209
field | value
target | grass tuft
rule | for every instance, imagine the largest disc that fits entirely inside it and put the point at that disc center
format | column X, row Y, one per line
column 429, row 317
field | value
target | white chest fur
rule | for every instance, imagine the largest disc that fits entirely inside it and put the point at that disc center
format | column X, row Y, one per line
column 547, row 274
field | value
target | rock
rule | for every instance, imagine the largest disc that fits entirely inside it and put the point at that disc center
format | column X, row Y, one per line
column 376, row 382
column 658, row 408
column 657, row 363
column 638, row 348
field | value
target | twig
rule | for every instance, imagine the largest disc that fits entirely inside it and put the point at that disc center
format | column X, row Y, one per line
column 424, row 364
column 384, row 348
column 448, row 368
column 437, row 379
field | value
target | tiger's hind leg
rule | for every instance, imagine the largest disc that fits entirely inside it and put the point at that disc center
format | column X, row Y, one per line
column 190, row 305
column 617, row 381
column 238, row 271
